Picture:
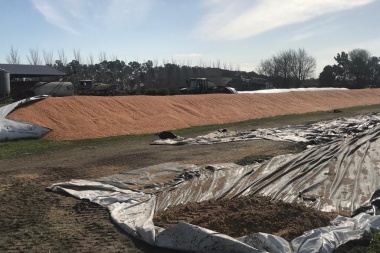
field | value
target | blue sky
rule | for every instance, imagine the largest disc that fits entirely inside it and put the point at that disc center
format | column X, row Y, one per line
column 237, row 33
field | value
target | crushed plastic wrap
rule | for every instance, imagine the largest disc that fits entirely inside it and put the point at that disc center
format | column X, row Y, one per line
column 289, row 90
column 12, row 129
column 342, row 174
column 318, row 133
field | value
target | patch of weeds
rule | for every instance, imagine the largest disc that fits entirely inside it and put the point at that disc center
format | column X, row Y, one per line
column 20, row 148
column 299, row 147
column 253, row 159
column 374, row 246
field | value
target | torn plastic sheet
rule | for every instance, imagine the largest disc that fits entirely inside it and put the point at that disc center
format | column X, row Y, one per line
column 340, row 175
column 317, row 133
column 12, row 129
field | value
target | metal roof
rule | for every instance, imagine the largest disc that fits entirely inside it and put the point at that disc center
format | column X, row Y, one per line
column 19, row 70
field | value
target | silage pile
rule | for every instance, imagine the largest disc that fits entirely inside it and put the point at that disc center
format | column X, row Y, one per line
column 82, row 117
column 246, row 215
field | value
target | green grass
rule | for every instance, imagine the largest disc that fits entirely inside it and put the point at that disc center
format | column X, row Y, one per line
column 5, row 101
column 374, row 247
column 252, row 159
column 26, row 147
column 21, row 148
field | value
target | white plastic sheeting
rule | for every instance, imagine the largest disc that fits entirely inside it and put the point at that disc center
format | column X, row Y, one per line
column 289, row 90
column 13, row 130
column 326, row 239
column 317, row 133
column 340, row 175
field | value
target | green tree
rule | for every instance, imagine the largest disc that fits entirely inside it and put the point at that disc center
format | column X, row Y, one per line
column 356, row 69
column 374, row 71
column 359, row 67
column 327, row 77
column 342, row 68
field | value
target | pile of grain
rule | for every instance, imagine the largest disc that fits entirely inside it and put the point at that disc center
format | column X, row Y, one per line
column 81, row 117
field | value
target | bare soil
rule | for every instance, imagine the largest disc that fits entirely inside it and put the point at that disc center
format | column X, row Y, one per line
column 34, row 220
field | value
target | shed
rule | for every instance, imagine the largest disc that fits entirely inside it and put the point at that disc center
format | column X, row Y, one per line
column 23, row 70
column 17, row 89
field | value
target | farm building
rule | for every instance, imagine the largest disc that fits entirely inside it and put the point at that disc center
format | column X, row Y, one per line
column 18, row 80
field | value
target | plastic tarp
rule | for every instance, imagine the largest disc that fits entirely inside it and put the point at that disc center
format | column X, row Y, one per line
column 317, row 133
column 14, row 130
column 289, row 90
column 340, row 175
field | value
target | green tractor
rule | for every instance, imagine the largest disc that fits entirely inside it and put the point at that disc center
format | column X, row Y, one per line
column 88, row 87
column 203, row 86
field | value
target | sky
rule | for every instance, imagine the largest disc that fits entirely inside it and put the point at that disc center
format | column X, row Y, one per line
column 238, row 34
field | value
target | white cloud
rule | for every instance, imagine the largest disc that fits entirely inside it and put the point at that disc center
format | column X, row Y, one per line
column 302, row 36
column 54, row 15
column 75, row 16
column 235, row 20
column 119, row 11
column 318, row 28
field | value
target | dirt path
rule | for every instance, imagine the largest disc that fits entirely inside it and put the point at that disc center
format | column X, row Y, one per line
column 34, row 220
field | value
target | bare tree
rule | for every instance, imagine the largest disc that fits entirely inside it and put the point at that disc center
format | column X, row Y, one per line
column 102, row 57
column 181, row 62
column 174, row 61
column 268, row 67
column 62, row 57
column 77, row 55
column 231, row 66
column 303, row 66
column 217, row 64
column 155, row 63
column 48, row 57
column 290, row 66
column 113, row 57
column 201, row 63
column 90, row 59
column 34, row 57
column 13, row 57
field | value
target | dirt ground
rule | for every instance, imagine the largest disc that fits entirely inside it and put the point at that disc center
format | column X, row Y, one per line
column 34, row 220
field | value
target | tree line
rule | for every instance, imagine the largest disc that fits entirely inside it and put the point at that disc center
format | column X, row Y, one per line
column 356, row 69
column 286, row 69
column 129, row 77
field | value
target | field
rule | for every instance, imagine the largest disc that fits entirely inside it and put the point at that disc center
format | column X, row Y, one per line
column 35, row 220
